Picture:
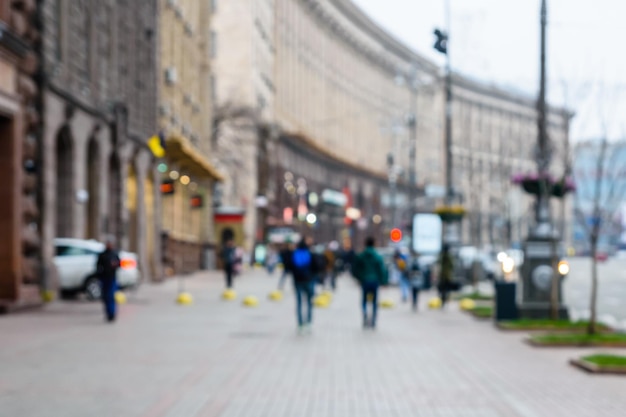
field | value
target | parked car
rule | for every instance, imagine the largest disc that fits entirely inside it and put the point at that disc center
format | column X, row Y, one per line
column 75, row 260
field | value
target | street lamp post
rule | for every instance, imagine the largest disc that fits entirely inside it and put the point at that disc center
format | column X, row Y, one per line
column 541, row 288
column 393, row 189
column 543, row 156
column 412, row 122
column 441, row 45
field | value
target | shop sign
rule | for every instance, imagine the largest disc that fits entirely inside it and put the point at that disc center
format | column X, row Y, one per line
column 336, row 198
column 167, row 187
column 197, row 201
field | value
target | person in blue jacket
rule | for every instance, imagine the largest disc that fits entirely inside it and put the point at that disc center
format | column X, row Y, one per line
column 304, row 272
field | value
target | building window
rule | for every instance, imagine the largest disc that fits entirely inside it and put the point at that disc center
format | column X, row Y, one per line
column 213, row 51
column 59, row 27
column 80, row 38
column 213, row 88
column 261, row 102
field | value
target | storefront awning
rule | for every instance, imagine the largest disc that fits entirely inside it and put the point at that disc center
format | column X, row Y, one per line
column 179, row 150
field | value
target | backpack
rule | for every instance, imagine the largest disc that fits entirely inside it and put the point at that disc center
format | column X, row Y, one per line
column 401, row 264
column 302, row 259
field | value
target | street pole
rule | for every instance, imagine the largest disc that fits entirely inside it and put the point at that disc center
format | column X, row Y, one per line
column 393, row 179
column 413, row 148
column 441, row 45
column 542, row 211
column 448, row 92
column 541, row 288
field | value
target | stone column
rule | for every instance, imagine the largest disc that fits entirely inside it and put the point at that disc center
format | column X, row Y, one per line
column 142, row 165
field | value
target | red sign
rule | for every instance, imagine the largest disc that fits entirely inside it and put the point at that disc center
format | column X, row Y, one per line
column 395, row 235
column 167, row 187
column 197, row 201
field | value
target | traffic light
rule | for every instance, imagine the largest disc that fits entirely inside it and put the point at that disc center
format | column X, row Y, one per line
column 395, row 235
column 441, row 44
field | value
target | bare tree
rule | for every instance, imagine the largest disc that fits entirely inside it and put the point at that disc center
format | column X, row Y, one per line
column 606, row 190
column 233, row 126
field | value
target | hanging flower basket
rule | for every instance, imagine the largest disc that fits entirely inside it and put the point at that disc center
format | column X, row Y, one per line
column 450, row 214
column 533, row 184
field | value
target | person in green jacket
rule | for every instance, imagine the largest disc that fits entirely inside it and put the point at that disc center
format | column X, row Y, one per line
column 370, row 270
column 446, row 274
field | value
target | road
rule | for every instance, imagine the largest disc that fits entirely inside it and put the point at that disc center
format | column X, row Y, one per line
column 611, row 290
column 218, row 359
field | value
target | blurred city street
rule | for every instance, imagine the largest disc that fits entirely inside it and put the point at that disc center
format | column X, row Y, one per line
column 611, row 290
column 218, row 358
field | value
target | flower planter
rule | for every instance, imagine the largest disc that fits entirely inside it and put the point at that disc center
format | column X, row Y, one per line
column 533, row 184
column 449, row 214
column 449, row 218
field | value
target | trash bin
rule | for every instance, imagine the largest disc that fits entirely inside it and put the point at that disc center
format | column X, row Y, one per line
column 506, row 305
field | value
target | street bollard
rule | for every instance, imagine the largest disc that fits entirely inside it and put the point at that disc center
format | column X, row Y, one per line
column 184, row 298
column 250, row 301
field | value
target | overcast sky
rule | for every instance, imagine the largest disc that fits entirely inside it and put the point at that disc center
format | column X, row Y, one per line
column 498, row 41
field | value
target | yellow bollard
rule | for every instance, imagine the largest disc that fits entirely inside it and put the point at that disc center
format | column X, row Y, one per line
column 229, row 294
column 321, row 301
column 275, row 295
column 120, row 297
column 387, row 303
column 434, row 303
column 250, row 301
column 184, row 298
column 467, row 304
column 47, row 296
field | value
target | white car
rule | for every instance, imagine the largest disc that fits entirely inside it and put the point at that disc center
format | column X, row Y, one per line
column 75, row 260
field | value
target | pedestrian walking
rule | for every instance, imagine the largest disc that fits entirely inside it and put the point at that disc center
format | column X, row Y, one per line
column 106, row 268
column 402, row 267
column 230, row 262
column 303, row 268
column 286, row 255
column 271, row 260
column 348, row 256
column 446, row 274
column 417, row 281
column 330, row 263
column 369, row 269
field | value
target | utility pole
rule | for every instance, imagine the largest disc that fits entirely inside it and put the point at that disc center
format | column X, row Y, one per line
column 544, row 152
column 412, row 122
column 541, row 287
column 393, row 180
column 413, row 145
column 441, row 45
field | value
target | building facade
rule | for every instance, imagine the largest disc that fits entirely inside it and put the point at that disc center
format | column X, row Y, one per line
column 326, row 72
column 185, row 114
column 20, row 249
column 99, row 102
column 494, row 138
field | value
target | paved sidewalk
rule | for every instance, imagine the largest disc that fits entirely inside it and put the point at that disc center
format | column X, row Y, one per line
column 219, row 359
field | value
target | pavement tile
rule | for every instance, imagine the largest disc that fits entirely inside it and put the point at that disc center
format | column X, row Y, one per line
column 219, row 359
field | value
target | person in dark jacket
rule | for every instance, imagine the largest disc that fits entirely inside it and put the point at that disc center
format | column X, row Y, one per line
column 304, row 270
column 229, row 260
column 369, row 269
column 285, row 257
column 416, row 280
column 446, row 274
column 106, row 268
